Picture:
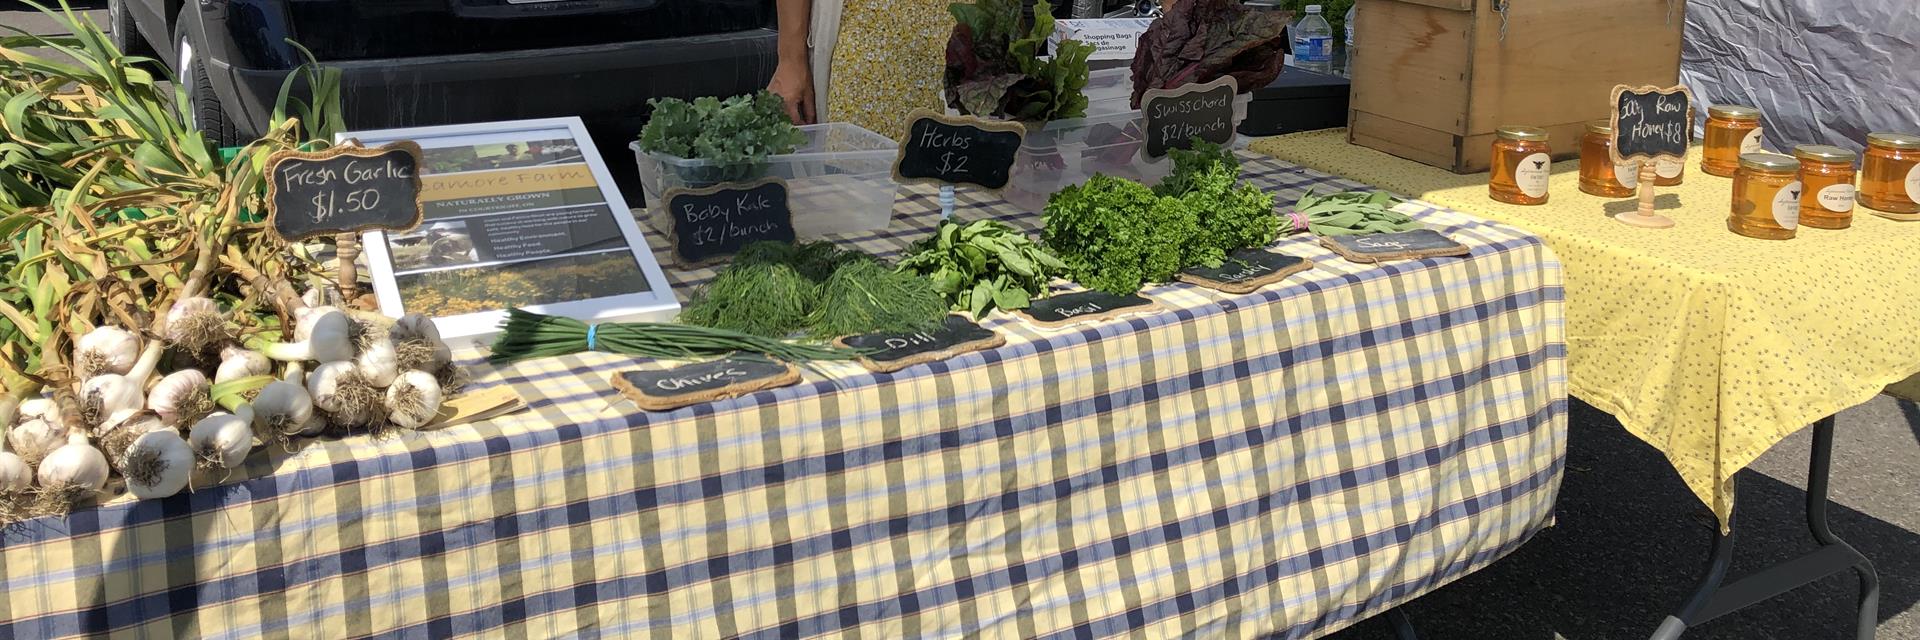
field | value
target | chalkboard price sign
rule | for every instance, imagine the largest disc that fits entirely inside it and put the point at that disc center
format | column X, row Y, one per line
column 702, row 382
column 716, row 221
column 1085, row 306
column 895, row 351
column 958, row 150
column 344, row 189
column 1245, row 271
column 1375, row 247
column 1651, row 123
column 1176, row 116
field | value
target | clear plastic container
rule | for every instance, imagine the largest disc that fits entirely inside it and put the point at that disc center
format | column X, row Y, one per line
column 840, row 181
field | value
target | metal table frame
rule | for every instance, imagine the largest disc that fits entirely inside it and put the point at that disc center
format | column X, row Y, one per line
column 1713, row 598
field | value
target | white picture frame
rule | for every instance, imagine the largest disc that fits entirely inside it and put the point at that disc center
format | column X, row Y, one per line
column 656, row 303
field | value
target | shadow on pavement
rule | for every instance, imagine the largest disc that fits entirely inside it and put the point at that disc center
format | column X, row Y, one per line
column 1630, row 545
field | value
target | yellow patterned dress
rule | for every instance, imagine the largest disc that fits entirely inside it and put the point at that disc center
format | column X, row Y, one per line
column 888, row 61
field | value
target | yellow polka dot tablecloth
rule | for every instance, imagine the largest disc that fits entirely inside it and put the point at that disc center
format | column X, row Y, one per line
column 1708, row 345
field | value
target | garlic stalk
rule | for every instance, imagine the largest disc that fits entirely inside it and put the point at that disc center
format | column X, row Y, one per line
column 157, row 464
column 239, row 362
column 321, row 335
column 75, row 464
column 196, row 325
column 414, row 399
column 182, row 397
column 418, row 344
column 221, row 440
column 345, row 395
column 282, row 409
column 103, row 395
column 106, row 349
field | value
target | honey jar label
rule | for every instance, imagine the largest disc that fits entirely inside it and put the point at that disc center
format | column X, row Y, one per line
column 1786, row 206
column 1669, row 167
column 1913, row 183
column 1628, row 174
column 1837, row 198
column 1751, row 144
column 1532, row 174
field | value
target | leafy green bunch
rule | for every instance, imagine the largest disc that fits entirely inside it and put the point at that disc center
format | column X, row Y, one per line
column 1353, row 213
column 984, row 264
column 995, row 71
column 776, row 289
column 741, row 130
column 1233, row 214
column 1115, row 235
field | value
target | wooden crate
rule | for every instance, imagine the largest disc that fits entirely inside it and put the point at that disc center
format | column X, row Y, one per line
column 1434, row 78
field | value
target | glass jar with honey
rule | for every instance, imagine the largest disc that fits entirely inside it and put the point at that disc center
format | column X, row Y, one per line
column 1890, row 173
column 1732, row 131
column 1522, row 161
column 1826, row 186
column 1766, row 197
column 1596, row 163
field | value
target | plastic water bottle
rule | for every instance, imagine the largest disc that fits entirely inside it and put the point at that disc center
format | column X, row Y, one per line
column 1313, row 42
column 1350, row 13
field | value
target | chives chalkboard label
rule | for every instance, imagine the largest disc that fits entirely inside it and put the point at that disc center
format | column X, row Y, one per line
column 895, row 351
column 1085, row 306
column 715, row 222
column 958, row 150
column 344, row 189
column 1651, row 123
column 684, row 385
column 1375, row 247
column 1245, row 271
column 1176, row 116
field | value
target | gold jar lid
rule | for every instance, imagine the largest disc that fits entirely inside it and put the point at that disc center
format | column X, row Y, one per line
column 1733, row 112
column 1529, row 134
column 1889, row 140
column 1600, row 126
column 1769, row 163
column 1823, row 153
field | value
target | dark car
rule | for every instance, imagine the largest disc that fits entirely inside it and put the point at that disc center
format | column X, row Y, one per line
column 426, row 62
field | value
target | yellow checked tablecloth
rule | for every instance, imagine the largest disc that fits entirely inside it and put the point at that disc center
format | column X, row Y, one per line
column 1276, row 464
column 1709, row 345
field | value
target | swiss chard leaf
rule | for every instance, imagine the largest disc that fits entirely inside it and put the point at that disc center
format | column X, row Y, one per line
column 1203, row 40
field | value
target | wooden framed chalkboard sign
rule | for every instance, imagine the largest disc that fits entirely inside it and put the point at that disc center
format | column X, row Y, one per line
column 344, row 189
column 955, row 150
column 1176, row 116
column 712, row 223
column 1650, row 124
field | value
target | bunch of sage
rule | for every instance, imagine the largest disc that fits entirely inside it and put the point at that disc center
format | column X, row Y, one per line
column 1350, row 213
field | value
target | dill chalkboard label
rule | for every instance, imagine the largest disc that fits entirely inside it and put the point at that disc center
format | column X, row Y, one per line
column 344, row 189
column 958, row 150
column 702, row 382
column 1650, row 124
column 1245, row 271
column 895, row 351
column 715, row 222
column 1176, row 116
column 1375, row 247
column 1085, row 306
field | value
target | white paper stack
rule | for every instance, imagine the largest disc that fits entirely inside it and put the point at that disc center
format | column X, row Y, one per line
column 1112, row 38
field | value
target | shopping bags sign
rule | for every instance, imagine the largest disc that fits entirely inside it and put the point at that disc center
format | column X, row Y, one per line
column 958, row 150
column 345, row 189
column 1176, row 117
column 1651, row 123
column 717, row 221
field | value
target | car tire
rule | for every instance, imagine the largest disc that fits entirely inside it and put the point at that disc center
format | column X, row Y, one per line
column 122, row 32
column 207, row 114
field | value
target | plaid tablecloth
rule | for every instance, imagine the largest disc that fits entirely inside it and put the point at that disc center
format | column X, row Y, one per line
column 1278, row 463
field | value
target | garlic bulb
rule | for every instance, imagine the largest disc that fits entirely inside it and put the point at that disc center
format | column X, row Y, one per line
column 221, row 440
column 74, row 464
column 378, row 362
column 321, row 335
column 239, row 362
column 196, row 325
column 121, row 429
column 41, row 409
column 106, row 349
column 282, row 408
column 183, row 397
column 35, row 438
column 157, row 464
column 339, row 389
column 107, row 394
column 15, row 475
column 418, row 342
column 414, row 399
column 315, row 426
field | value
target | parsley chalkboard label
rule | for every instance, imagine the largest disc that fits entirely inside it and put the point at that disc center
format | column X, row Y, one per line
column 715, row 222
column 1375, row 247
column 680, row 386
column 344, row 189
column 1176, row 116
column 895, row 351
column 958, row 150
column 1651, row 123
column 1246, row 270
column 1085, row 306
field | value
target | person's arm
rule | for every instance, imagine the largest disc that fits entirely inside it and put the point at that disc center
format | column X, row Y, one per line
column 793, row 77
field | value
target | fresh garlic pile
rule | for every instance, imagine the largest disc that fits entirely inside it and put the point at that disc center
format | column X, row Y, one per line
column 340, row 372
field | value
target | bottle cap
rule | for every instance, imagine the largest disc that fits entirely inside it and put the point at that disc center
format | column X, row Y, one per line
column 1522, row 133
column 1733, row 112
column 1313, row 8
column 1823, row 153
column 1889, row 140
column 1769, row 163
column 1600, row 126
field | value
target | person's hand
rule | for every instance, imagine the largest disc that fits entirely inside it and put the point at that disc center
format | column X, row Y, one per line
column 793, row 81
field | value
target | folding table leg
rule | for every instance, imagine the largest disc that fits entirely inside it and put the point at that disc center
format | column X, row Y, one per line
column 1712, row 599
column 1402, row 625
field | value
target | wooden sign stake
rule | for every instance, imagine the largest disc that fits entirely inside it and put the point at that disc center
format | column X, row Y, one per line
column 1645, row 217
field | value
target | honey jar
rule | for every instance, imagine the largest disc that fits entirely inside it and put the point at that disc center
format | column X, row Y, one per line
column 1522, row 161
column 1732, row 131
column 1596, row 163
column 1890, row 173
column 1766, row 197
column 1826, row 186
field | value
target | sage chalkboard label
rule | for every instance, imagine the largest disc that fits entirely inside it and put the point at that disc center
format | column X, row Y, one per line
column 1375, row 247
column 702, row 382
column 958, row 150
column 715, row 222
column 1246, row 270
column 1651, row 123
column 1085, row 306
column 895, row 351
column 1176, row 116
column 344, row 189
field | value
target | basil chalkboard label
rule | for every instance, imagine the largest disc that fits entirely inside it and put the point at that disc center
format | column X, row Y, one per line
column 344, row 189
column 1176, row 116
column 895, row 351
column 1375, row 247
column 715, row 222
column 958, row 150
column 702, row 382
column 1246, row 270
column 1085, row 306
column 1651, row 123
